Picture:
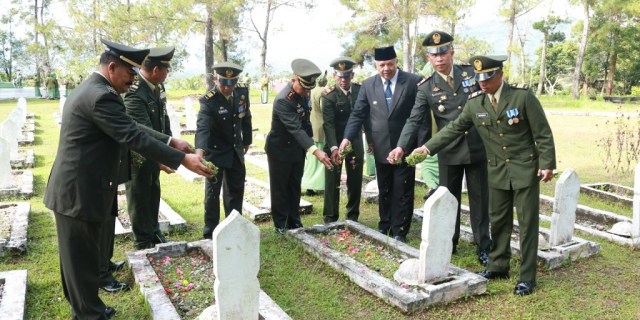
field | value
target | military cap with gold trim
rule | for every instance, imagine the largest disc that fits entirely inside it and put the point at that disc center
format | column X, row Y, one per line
column 161, row 56
column 128, row 55
column 486, row 67
column 343, row 66
column 306, row 72
column 228, row 73
column 437, row 42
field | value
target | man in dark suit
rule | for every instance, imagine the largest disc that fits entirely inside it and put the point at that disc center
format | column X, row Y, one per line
column 287, row 142
column 520, row 152
column 146, row 103
column 386, row 100
column 223, row 136
column 337, row 103
column 445, row 93
column 82, row 186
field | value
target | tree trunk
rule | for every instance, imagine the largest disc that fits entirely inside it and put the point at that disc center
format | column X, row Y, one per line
column 543, row 64
column 208, row 51
column 581, row 51
column 263, row 38
column 613, row 60
column 512, row 23
column 406, row 51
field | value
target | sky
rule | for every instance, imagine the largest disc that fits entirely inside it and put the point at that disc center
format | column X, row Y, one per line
column 298, row 34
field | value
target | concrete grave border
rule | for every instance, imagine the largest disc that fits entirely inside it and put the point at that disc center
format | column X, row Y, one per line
column 591, row 189
column 24, row 189
column 17, row 242
column 12, row 305
column 459, row 284
column 172, row 221
column 26, row 160
column 150, row 286
column 27, row 139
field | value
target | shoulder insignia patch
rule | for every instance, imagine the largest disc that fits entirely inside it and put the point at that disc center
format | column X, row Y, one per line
column 112, row 90
column 475, row 94
column 290, row 95
column 328, row 89
column 425, row 79
column 210, row 94
column 522, row 86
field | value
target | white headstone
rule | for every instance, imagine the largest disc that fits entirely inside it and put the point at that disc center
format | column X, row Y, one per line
column 635, row 233
column 11, row 132
column 174, row 119
column 236, row 262
column 564, row 208
column 6, row 178
column 22, row 103
column 18, row 116
column 190, row 114
column 438, row 227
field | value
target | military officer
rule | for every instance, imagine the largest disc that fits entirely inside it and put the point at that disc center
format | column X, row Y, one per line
column 223, row 136
column 82, row 186
column 520, row 152
column 146, row 104
column 444, row 94
column 287, row 142
column 337, row 102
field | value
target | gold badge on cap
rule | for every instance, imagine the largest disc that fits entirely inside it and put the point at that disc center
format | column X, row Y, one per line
column 436, row 38
column 477, row 64
column 228, row 73
column 341, row 66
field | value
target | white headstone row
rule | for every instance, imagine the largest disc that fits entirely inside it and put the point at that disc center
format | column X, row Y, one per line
column 563, row 217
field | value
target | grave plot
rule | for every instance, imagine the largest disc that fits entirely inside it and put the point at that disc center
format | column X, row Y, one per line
column 29, row 126
column 206, row 287
column 26, row 139
column 24, row 159
column 610, row 192
column 168, row 219
column 257, row 201
column 557, row 244
column 20, row 185
column 14, row 220
column 13, row 292
column 257, row 158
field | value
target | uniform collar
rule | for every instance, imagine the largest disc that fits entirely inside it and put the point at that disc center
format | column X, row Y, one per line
column 497, row 93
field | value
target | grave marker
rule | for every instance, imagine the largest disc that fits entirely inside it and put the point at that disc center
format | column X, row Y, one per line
column 564, row 208
column 236, row 262
column 6, row 177
column 11, row 132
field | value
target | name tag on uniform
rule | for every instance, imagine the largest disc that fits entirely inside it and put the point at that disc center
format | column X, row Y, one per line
column 482, row 115
column 223, row 111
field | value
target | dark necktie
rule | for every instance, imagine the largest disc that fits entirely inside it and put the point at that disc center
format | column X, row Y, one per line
column 450, row 81
column 387, row 94
column 494, row 103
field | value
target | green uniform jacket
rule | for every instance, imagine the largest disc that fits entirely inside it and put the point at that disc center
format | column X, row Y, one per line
column 146, row 108
column 223, row 128
column 435, row 96
column 94, row 129
column 290, row 134
column 336, row 109
column 514, row 151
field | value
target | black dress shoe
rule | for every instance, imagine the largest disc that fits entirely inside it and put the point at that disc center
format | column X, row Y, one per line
column 311, row 192
column 494, row 274
column 400, row 238
column 144, row 245
column 294, row 226
column 483, row 257
column 109, row 312
column 524, row 288
column 116, row 266
column 159, row 238
column 115, row 286
column 383, row 231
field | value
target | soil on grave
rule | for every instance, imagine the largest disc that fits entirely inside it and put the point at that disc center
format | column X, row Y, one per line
column 375, row 256
column 7, row 211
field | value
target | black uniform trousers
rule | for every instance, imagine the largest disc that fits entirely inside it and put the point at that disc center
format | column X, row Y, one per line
column 231, row 181
column 80, row 257
column 451, row 177
column 395, row 201
column 106, row 245
column 143, row 203
column 331, row 211
column 284, row 181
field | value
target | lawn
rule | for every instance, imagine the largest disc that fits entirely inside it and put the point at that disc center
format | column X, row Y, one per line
column 603, row 287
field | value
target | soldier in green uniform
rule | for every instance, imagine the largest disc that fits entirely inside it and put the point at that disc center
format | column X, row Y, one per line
column 51, row 86
column 223, row 136
column 520, row 152
column 69, row 85
column 313, row 174
column 337, row 103
column 146, row 104
column 287, row 142
column 444, row 93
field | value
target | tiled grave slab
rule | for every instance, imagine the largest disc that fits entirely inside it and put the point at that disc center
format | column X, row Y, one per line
column 305, row 206
column 25, row 159
column 27, row 139
column 29, row 127
column 21, row 187
column 459, row 284
column 14, row 218
column 151, row 288
column 610, row 192
column 14, row 294
column 168, row 219
column 552, row 258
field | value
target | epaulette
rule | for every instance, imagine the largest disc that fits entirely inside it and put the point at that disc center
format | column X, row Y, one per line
column 328, row 89
column 522, row 86
column 424, row 80
column 112, row 90
column 356, row 84
column 475, row 94
column 291, row 94
column 135, row 85
column 209, row 94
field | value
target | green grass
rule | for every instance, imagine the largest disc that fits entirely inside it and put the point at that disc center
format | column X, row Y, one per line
column 602, row 287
